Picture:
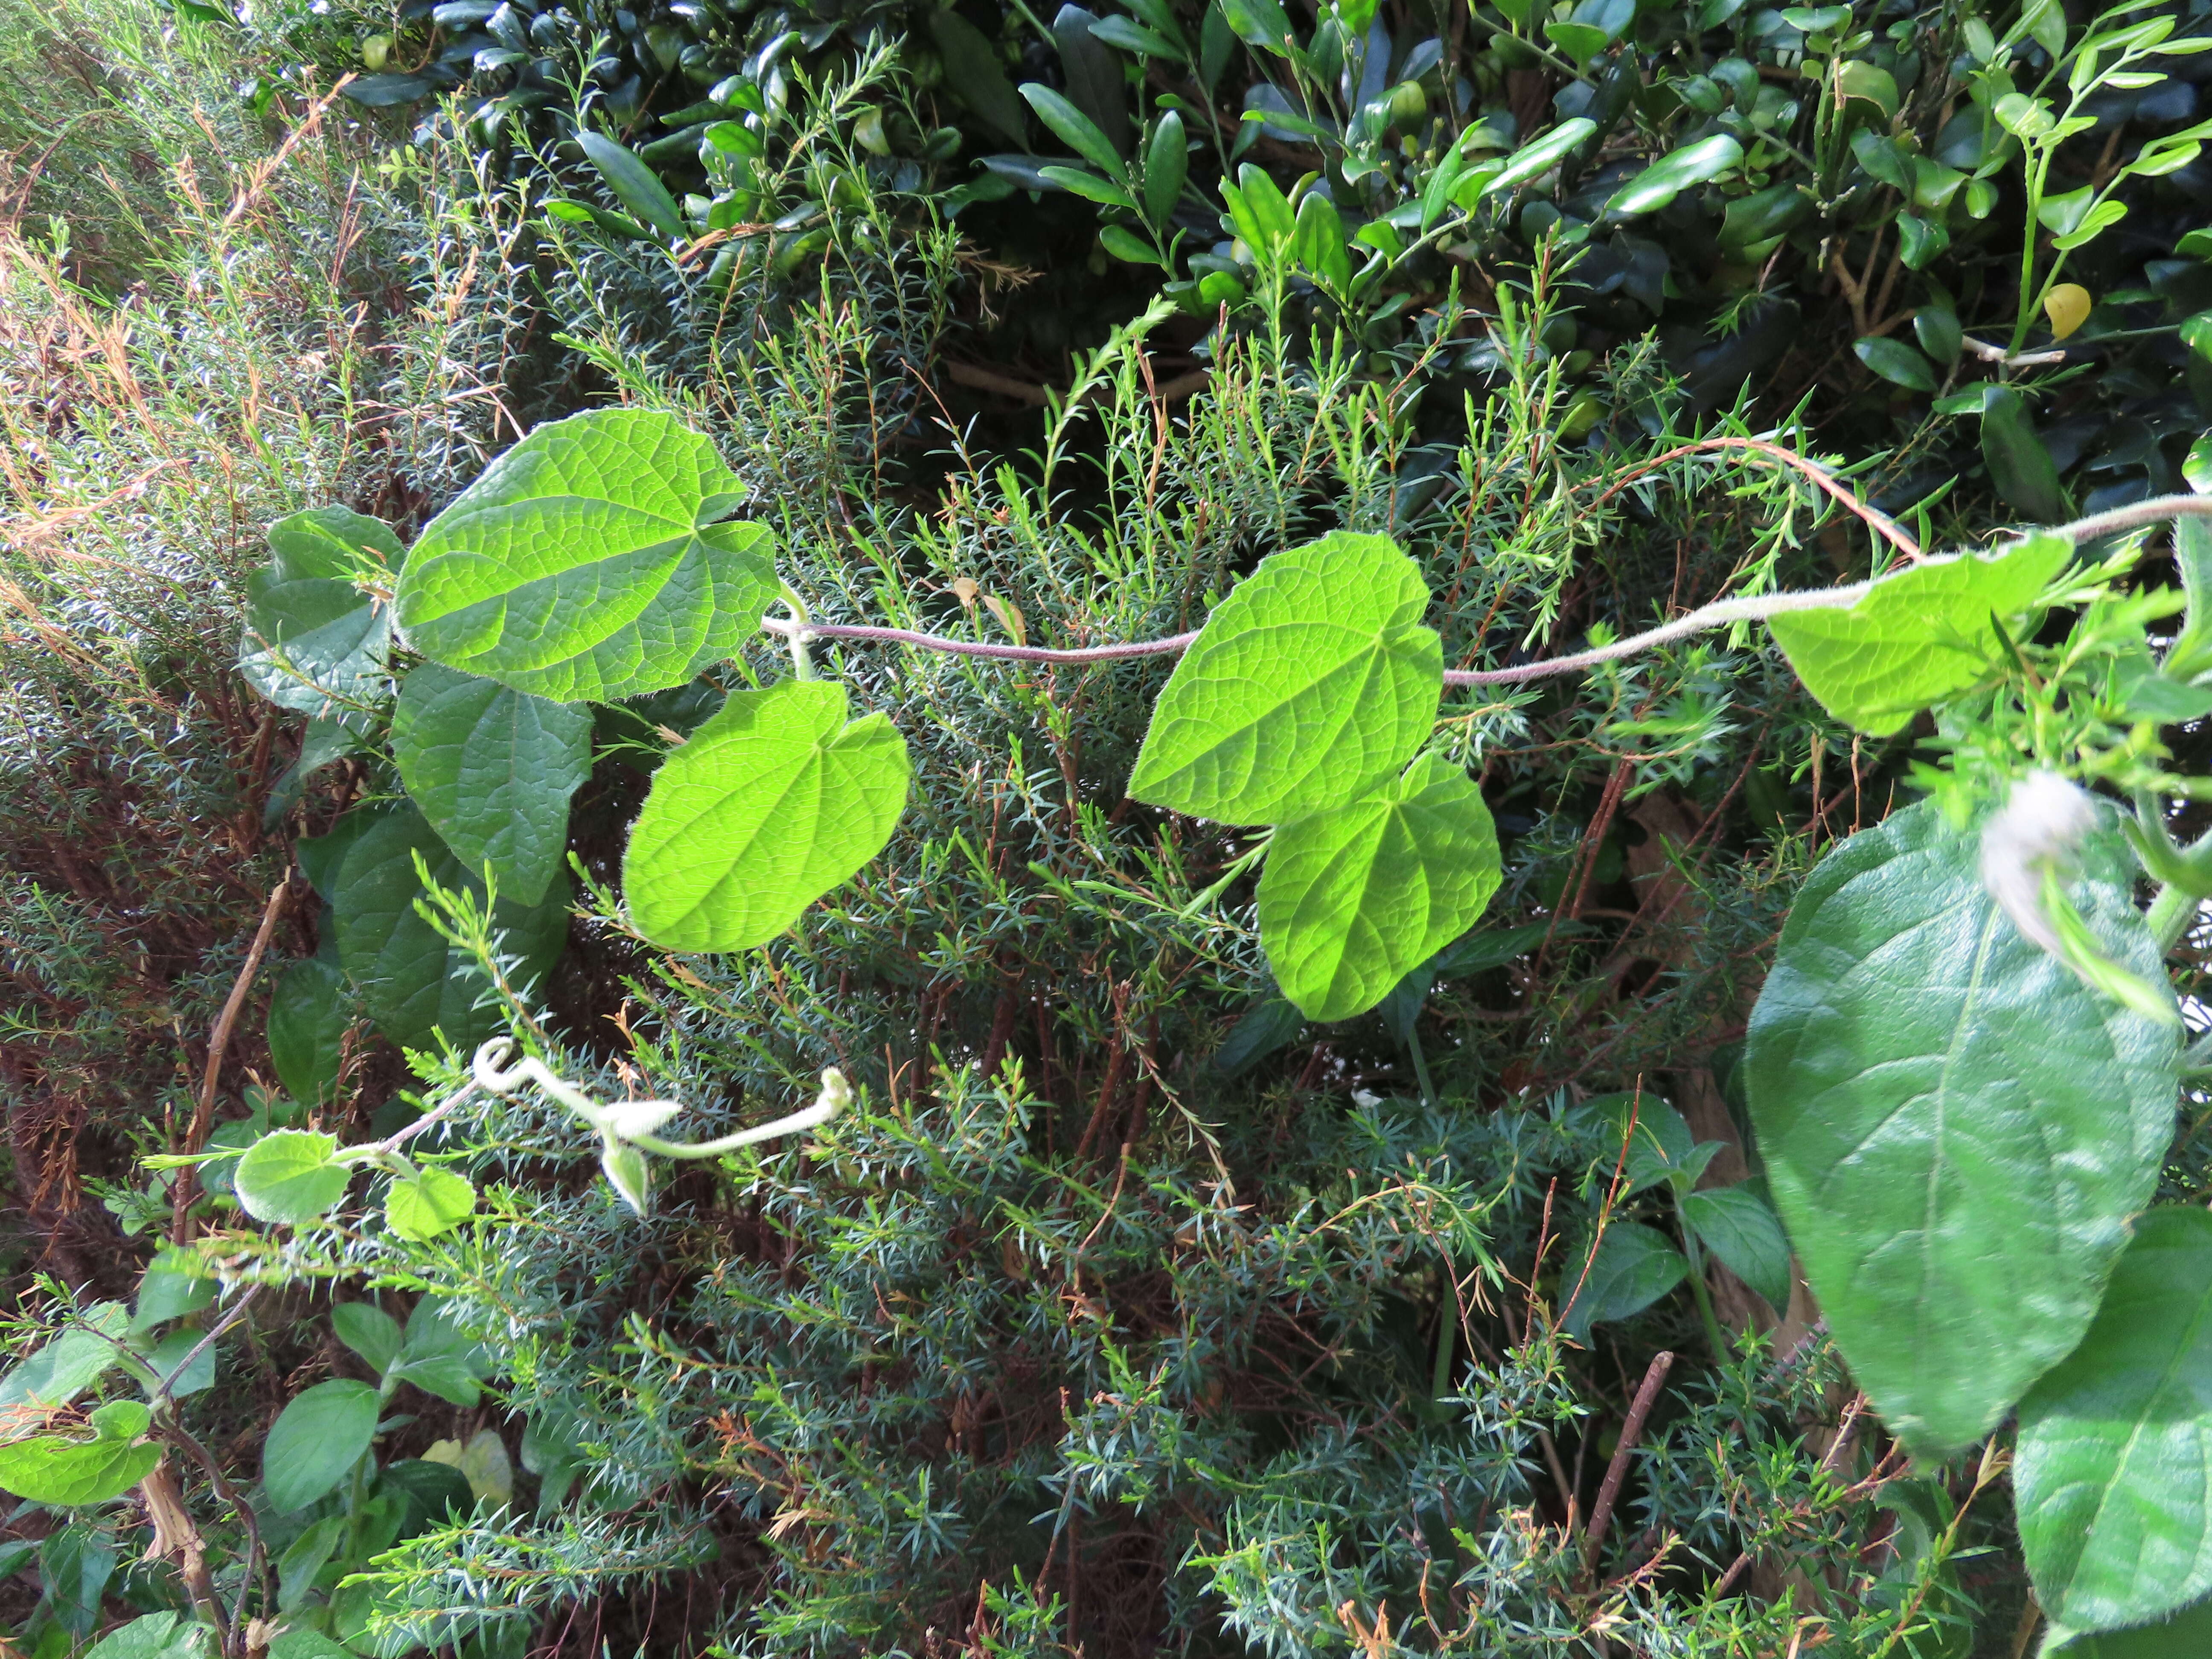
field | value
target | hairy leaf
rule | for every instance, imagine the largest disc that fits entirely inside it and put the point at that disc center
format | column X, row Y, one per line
column 492, row 767
column 2113, row 1472
column 589, row 562
column 1354, row 897
column 71, row 1363
column 2185, row 1636
column 1917, row 636
column 1956, row 1128
column 769, row 805
column 1308, row 685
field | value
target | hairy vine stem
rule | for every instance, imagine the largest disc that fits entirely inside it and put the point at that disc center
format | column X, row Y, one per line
column 1719, row 614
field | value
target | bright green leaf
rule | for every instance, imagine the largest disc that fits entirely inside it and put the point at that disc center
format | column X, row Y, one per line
column 290, row 1175
column 436, row 1203
column 1309, row 685
column 769, row 805
column 1738, row 1226
column 314, row 641
column 1354, row 897
column 316, row 1441
column 2113, row 1472
column 1539, row 156
column 492, row 769
column 1956, row 1128
column 1668, row 177
column 1871, row 83
column 412, row 982
column 157, row 1636
column 1917, row 636
column 590, row 561
column 2187, row 1635
column 1261, row 23
column 1167, row 163
column 168, row 1357
column 64, row 1469
column 1634, row 1267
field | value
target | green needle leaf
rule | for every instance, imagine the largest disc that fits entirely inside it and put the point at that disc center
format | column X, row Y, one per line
column 771, row 804
column 1917, row 636
column 1956, row 1128
column 1310, row 683
column 493, row 769
column 1354, row 897
column 2113, row 1474
column 588, row 563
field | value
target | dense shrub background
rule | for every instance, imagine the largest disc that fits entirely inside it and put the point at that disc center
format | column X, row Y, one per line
column 1124, row 1314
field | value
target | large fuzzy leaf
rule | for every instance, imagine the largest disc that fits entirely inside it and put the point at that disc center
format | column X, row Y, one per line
column 493, row 769
column 766, row 807
column 1309, row 685
column 413, row 983
column 590, row 561
column 1917, row 636
column 1956, row 1128
column 2113, row 1474
column 1354, row 897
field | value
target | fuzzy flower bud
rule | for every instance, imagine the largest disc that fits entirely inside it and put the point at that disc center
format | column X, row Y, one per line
column 2040, row 826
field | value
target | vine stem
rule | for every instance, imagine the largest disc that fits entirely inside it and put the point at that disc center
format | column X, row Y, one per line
column 1721, row 613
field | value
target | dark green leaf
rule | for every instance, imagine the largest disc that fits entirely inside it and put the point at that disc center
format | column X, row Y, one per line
column 1167, row 162
column 1268, row 1025
column 308, row 1022
column 1739, row 1227
column 369, row 1332
column 1094, row 75
column 1634, row 1267
column 1075, row 129
column 412, row 982
column 316, row 1441
column 2020, row 465
column 975, row 75
column 1897, row 362
column 634, row 184
column 1956, row 1128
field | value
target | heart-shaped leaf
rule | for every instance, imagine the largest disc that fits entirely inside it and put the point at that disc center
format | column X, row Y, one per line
column 1956, row 1128
column 1917, row 636
column 52, row 1468
column 590, row 561
column 1309, row 685
column 291, row 1176
column 314, row 641
column 435, row 1202
column 2113, row 1472
column 1355, row 896
column 493, row 769
column 766, row 807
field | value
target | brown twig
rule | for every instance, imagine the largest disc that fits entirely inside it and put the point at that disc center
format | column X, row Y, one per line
column 1647, row 1395
column 218, row 1045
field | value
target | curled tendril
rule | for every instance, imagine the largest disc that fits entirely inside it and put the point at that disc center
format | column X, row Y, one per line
column 626, row 1126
